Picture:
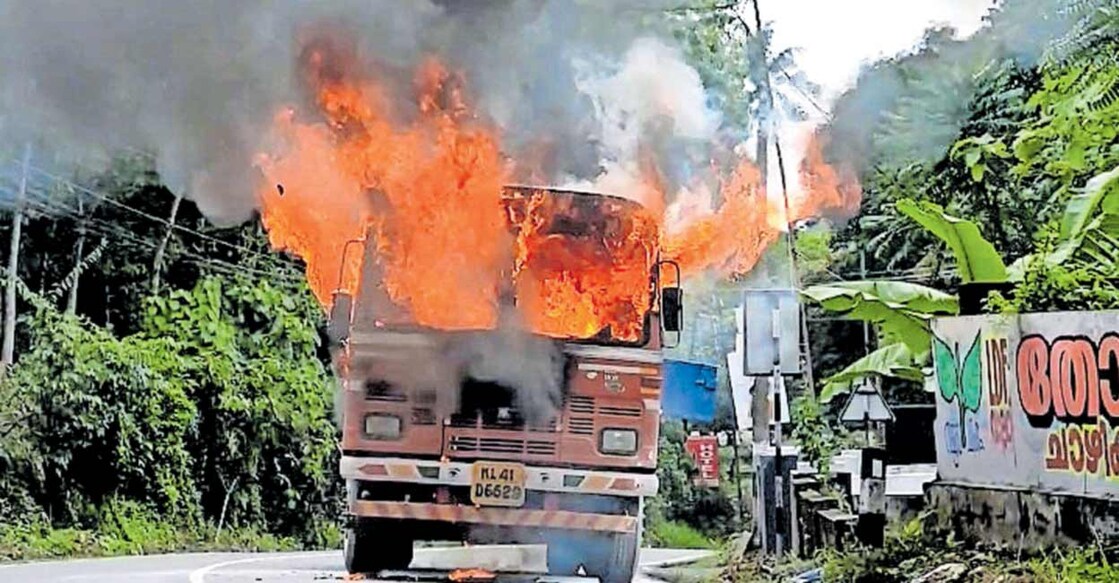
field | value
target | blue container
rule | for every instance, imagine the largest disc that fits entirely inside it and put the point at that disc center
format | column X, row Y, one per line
column 689, row 391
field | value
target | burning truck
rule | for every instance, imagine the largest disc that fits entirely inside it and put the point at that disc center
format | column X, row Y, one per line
column 444, row 438
column 498, row 347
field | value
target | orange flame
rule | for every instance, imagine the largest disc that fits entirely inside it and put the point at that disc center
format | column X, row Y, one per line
column 452, row 243
column 461, row 575
column 430, row 190
column 732, row 239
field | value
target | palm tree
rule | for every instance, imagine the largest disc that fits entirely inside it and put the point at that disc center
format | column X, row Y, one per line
column 754, row 88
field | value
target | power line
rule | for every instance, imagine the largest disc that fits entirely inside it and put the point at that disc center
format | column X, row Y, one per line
column 106, row 198
column 110, row 200
column 53, row 207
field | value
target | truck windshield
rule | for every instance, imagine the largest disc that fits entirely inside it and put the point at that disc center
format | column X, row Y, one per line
column 584, row 265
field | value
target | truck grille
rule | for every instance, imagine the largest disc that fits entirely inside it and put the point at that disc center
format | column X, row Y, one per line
column 382, row 391
column 481, row 445
column 584, row 405
column 589, row 406
column 620, row 411
column 581, row 426
column 423, row 416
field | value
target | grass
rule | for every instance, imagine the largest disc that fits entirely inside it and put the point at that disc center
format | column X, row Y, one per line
column 677, row 535
column 1074, row 566
column 39, row 541
column 130, row 529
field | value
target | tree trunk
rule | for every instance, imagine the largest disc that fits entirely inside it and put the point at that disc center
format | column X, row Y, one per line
column 7, row 352
column 762, row 155
column 72, row 295
column 157, row 264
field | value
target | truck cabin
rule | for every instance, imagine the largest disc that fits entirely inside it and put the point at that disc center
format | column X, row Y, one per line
column 573, row 381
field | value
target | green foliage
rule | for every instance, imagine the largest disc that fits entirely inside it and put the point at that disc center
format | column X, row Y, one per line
column 976, row 258
column 1089, row 232
column 218, row 412
column 891, row 361
column 99, row 416
column 127, row 528
column 816, row 439
column 813, row 252
column 977, row 152
column 710, row 511
column 900, row 311
column 265, row 436
column 908, row 552
column 676, row 535
column 1045, row 287
column 1082, row 565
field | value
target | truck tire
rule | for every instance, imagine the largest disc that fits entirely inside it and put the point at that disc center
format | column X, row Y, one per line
column 612, row 558
column 371, row 547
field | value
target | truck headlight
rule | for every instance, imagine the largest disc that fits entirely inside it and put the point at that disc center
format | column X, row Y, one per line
column 382, row 427
column 618, row 441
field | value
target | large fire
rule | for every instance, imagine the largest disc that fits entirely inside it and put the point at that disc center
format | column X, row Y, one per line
column 427, row 183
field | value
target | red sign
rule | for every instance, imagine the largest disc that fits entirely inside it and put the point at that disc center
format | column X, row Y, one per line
column 704, row 450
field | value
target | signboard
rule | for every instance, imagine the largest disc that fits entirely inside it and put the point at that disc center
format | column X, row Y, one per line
column 689, row 391
column 740, row 385
column 1029, row 401
column 704, row 451
column 866, row 404
column 772, row 332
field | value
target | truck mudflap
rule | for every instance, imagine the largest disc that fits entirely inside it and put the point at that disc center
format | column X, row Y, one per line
column 545, row 479
column 518, row 517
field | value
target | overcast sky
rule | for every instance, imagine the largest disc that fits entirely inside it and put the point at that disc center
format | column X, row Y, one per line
column 837, row 36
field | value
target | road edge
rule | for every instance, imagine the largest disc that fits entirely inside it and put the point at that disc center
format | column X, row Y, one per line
column 695, row 557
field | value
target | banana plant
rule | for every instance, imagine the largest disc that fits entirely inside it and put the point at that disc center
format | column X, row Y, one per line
column 977, row 260
column 901, row 314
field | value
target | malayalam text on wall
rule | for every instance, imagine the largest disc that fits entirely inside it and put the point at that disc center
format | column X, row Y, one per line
column 1029, row 401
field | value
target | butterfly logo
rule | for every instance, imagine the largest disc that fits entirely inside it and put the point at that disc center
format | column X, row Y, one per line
column 960, row 380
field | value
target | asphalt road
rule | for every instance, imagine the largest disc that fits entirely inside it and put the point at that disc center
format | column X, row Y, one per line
column 284, row 567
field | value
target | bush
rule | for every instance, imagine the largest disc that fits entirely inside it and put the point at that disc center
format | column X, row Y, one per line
column 710, row 511
column 677, row 535
column 129, row 529
column 215, row 419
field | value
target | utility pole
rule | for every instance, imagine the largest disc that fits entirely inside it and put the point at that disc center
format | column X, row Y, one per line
column 7, row 354
column 761, row 54
column 866, row 325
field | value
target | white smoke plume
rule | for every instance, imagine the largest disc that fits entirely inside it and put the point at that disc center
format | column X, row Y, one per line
column 650, row 102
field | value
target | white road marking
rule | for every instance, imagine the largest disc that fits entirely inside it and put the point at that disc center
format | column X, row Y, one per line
column 199, row 575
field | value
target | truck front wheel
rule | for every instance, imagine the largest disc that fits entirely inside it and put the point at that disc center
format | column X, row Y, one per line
column 373, row 546
column 610, row 557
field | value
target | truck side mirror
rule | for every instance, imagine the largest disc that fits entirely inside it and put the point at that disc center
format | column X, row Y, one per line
column 672, row 309
column 338, row 327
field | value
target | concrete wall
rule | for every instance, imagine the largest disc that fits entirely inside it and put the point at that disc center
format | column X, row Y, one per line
column 1029, row 401
column 1019, row 517
column 1027, row 427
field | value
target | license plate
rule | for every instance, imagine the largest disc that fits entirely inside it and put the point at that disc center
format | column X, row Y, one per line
column 497, row 484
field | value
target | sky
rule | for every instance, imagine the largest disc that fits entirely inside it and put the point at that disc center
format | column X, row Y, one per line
column 837, row 37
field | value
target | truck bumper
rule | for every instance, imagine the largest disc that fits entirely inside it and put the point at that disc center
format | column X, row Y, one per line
column 545, row 479
column 511, row 517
